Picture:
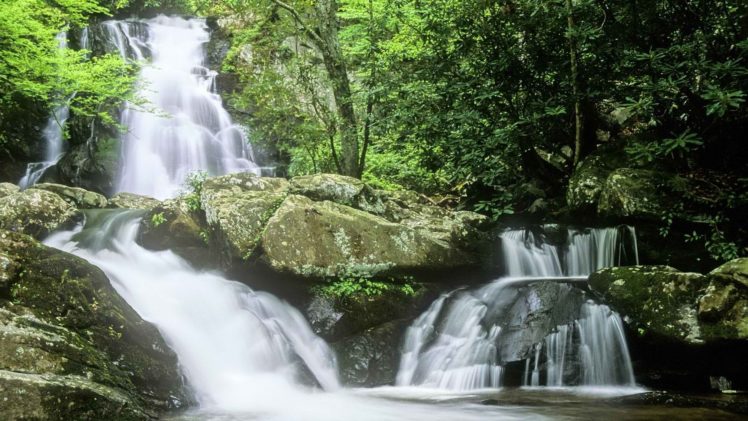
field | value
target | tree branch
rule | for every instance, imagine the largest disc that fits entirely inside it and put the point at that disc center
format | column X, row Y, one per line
column 297, row 17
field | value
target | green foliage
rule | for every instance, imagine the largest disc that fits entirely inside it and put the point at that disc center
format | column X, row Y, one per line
column 194, row 187
column 350, row 286
column 34, row 69
column 158, row 219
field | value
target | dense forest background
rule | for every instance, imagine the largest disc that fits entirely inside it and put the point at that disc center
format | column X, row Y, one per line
column 517, row 107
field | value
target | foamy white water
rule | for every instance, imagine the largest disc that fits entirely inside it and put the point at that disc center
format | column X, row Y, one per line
column 238, row 348
column 188, row 129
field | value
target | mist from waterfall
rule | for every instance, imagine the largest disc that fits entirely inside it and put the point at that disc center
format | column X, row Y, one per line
column 184, row 127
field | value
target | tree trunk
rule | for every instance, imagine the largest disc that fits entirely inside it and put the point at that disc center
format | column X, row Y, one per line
column 574, row 84
column 338, row 75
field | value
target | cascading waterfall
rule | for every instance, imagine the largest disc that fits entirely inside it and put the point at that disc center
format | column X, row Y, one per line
column 236, row 346
column 53, row 137
column 188, row 130
column 525, row 254
column 458, row 342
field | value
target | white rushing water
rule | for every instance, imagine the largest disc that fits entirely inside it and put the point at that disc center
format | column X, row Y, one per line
column 456, row 343
column 52, row 134
column 188, row 129
column 237, row 347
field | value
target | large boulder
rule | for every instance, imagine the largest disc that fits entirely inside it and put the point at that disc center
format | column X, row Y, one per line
column 654, row 299
column 640, row 194
column 35, row 212
column 173, row 225
column 586, row 184
column 237, row 208
column 330, row 226
column 76, row 196
column 67, row 336
column 723, row 307
column 326, row 239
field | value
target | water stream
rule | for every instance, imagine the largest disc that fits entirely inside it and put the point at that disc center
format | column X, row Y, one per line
column 52, row 135
column 187, row 129
column 465, row 337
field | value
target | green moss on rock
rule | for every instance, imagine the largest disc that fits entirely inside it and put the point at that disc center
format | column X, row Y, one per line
column 35, row 212
column 75, row 196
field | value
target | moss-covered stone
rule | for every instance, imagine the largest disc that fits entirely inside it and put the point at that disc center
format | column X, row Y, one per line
column 723, row 307
column 173, row 225
column 6, row 189
column 586, row 184
column 35, row 212
column 370, row 358
column 131, row 201
column 237, row 208
column 631, row 192
column 325, row 239
column 654, row 299
column 76, row 196
column 61, row 317
column 333, row 187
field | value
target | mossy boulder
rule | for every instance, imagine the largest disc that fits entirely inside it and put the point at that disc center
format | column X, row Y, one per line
column 633, row 193
column 723, row 306
column 332, row 226
column 173, row 225
column 76, row 196
column 131, row 201
column 71, row 335
column 654, row 299
column 326, row 239
column 586, row 184
column 237, row 208
column 35, row 212
column 6, row 189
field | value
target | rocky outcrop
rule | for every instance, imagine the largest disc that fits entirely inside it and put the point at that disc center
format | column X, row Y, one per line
column 67, row 336
column 640, row 194
column 328, row 225
column 75, row 196
column 586, row 184
column 686, row 329
column 655, row 299
column 35, row 212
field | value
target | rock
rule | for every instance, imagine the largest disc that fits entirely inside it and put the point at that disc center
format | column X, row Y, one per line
column 237, row 208
column 131, row 201
column 69, row 334
column 325, row 239
column 636, row 193
column 35, row 212
column 92, row 160
column 6, row 189
column 723, row 307
column 370, row 358
column 654, row 299
column 333, row 187
column 173, row 225
column 586, row 184
column 76, row 196
column 337, row 316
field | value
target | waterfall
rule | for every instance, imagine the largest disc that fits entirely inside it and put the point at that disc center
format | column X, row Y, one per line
column 527, row 254
column 235, row 346
column 462, row 341
column 52, row 135
column 187, row 129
